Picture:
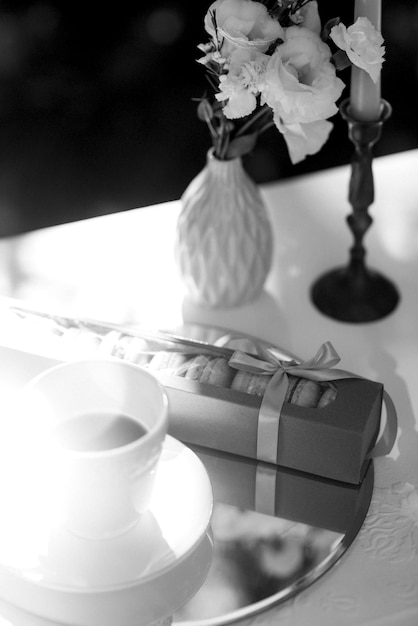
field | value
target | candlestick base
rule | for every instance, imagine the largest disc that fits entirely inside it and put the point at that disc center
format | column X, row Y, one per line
column 356, row 293
column 348, row 297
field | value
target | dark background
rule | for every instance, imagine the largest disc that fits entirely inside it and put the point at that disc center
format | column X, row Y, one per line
column 97, row 111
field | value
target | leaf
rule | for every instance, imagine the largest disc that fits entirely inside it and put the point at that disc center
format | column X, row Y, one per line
column 328, row 27
column 204, row 110
column 241, row 145
column 217, row 108
column 340, row 60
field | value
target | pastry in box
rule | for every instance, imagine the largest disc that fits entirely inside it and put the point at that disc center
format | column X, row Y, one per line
column 264, row 405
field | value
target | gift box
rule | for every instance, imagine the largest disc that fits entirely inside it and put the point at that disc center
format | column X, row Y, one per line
column 288, row 494
column 332, row 442
column 261, row 403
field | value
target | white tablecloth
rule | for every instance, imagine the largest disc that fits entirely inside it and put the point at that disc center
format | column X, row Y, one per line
column 120, row 268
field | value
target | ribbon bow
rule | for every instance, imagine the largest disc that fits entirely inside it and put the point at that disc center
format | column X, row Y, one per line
column 272, row 362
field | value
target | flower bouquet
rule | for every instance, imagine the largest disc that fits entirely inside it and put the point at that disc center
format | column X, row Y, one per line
column 277, row 66
column 268, row 64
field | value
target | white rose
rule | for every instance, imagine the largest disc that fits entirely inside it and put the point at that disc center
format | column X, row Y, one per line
column 301, row 87
column 304, row 139
column 362, row 44
column 242, row 23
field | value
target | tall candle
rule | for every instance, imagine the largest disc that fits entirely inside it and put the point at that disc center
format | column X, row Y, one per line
column 364, row 93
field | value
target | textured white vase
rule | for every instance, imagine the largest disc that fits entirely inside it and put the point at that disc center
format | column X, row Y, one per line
column 224, row 241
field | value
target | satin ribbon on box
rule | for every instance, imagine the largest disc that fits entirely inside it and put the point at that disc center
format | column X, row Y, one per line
column 320, row 369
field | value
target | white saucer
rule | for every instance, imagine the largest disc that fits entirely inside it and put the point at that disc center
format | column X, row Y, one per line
column 136, row 578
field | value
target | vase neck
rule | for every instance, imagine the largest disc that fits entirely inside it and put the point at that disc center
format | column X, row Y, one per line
column 224, row 169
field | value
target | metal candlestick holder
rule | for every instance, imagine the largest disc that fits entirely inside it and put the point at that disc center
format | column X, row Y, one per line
column 356, row 293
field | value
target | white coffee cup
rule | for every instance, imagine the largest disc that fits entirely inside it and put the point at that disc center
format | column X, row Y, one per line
column 102, row 423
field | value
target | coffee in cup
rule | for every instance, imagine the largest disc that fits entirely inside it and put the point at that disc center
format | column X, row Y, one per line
column 105, row 422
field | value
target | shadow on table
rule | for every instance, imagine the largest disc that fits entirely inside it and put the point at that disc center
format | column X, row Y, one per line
column 385, row 366
column 258, row 317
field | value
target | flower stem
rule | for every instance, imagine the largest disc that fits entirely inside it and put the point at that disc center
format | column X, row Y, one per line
column 266, row 127
column 223, row 140
column 255, row 118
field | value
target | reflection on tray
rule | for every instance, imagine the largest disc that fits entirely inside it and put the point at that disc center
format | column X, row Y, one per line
column 275, row 531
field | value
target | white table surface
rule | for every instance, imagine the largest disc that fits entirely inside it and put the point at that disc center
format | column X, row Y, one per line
column 120, row 268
